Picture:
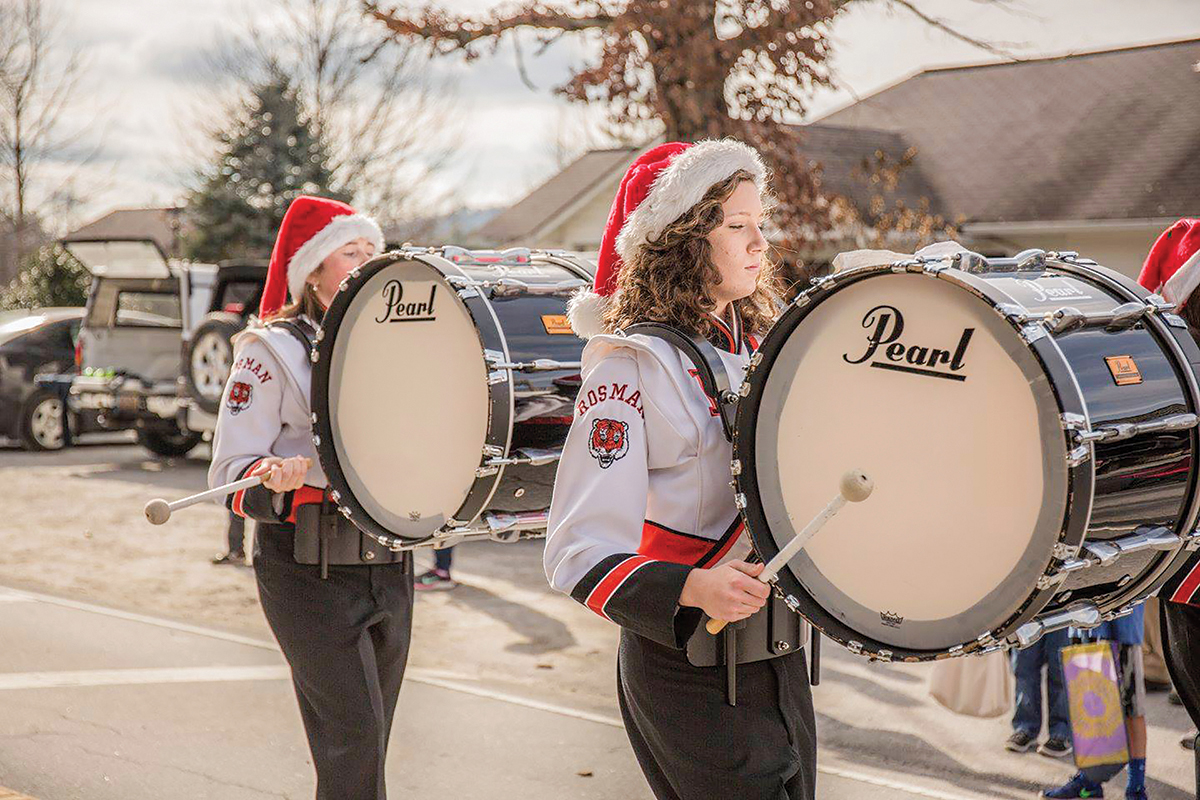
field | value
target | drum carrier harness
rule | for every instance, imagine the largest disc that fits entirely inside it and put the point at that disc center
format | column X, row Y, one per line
column 775, row 630
column 322, row 535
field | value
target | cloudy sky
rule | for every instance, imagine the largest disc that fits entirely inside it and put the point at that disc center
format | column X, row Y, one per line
column 145, row 84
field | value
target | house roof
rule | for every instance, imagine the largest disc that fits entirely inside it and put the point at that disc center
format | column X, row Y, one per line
column 575, row 184
column 841, row 151
column 134, row 223
column 848, row 157
column 1108, row 135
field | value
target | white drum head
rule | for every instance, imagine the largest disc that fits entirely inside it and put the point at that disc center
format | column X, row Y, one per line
column 409, row 402
column 965, row 448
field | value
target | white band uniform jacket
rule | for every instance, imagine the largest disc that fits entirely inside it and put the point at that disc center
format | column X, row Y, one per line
column 643, row 491
column 264, row 412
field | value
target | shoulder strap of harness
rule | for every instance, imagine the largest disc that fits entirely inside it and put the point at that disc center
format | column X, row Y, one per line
column 298, row 327
column 713, row 377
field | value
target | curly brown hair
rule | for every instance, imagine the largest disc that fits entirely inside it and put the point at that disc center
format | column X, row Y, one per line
column 670, row 278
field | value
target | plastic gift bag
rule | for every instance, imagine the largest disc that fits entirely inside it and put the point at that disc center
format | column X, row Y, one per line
column 1094, row 694
column 978, row 686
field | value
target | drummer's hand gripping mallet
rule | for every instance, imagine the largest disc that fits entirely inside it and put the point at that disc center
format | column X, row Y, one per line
column 158, row 511
column 855, row 487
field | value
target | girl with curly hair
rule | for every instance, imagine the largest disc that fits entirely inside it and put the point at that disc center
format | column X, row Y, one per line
column 643, row 527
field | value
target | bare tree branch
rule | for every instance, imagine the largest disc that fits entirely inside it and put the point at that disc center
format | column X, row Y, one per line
column 447, row 32
column 995, row 48
column 39, row 83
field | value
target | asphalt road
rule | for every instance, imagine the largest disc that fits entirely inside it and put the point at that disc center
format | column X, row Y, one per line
column 131, row 668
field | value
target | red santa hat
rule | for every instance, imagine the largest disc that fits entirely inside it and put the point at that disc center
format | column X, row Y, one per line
column 312, row 229
column 658, row 188
column 1173, row 266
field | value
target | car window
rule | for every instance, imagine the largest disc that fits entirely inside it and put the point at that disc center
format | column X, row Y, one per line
column 42, row 338
column 148, row 310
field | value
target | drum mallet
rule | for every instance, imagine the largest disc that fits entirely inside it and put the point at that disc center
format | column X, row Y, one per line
column 855, row 487
column 158, row 511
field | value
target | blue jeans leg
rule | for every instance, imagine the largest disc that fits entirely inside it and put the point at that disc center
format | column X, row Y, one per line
column 443, row 557
column 1057, row 706
column 1027, row 664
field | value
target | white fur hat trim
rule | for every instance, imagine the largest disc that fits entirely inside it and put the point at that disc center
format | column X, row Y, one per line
column 1185, row 280
column 683, row 184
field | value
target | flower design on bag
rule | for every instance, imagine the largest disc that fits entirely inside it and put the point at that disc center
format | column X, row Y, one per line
column 609, row 441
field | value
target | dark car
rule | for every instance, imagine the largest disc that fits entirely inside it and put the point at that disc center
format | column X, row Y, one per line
column 33, row 343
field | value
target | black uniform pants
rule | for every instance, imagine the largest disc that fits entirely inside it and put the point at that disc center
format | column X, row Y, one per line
column 346, row 639
column 692, row 745
column 1181, row 650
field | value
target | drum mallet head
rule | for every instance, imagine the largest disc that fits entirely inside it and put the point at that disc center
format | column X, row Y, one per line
column 856, row 486
column 158, row 511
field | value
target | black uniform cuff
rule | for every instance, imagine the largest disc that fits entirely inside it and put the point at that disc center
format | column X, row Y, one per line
column 645, row 601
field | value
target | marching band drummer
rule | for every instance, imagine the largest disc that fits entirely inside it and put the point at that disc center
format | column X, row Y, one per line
column 338, row 603
column 643, row 528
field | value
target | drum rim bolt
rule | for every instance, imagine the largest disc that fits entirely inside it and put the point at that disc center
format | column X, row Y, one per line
column 783, row 646
column 370, row 554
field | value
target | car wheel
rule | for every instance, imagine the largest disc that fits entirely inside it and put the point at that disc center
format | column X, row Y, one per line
column 168, row 442
column 42, row 422
column 210, row 358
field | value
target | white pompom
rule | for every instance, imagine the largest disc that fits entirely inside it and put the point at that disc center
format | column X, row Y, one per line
column 585, row 311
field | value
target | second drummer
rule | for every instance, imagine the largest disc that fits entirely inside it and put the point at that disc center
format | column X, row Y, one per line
column 338, row 603
column 643, row 527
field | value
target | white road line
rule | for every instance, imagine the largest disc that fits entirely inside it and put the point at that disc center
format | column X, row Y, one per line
column 137, row 677
column 517, row 700
column 13, row 598
column 414, row 674
column 887, row 783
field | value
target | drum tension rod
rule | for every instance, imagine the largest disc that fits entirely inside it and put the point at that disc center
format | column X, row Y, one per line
column 496, row 360
column 1103, row 553
column 1069, row 318
column 1128, row 430
column 526, row 456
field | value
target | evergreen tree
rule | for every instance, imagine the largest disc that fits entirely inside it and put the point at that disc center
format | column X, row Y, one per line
column 50, row 276
column 270, row 156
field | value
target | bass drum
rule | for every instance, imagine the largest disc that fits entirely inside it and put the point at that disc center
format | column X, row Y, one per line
column 443, row 384
column 1030, row 425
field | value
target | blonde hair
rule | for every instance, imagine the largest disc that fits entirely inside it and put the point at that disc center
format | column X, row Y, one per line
column 670, row 278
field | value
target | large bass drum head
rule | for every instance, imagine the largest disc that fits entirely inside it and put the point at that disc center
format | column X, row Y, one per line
column 922, row 385
column 402, row 393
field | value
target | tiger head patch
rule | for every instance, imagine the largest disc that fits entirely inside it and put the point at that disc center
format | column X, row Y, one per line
column 609, row 441
column 240, row 395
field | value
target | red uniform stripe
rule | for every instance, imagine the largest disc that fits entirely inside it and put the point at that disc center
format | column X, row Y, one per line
column 236, row 502
column 1186, row 589
column 303, row 496
column 711, row 560
column 609, row 584
column 665, row 544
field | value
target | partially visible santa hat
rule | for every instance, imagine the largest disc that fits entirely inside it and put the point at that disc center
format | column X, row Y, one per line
column 1173, row 267
column 658, row 188
column 312, row 229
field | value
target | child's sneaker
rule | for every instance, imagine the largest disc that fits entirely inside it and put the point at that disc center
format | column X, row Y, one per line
column 1020, row 742
column 434, row 580
column 1056, row 747
column 1078, row 786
